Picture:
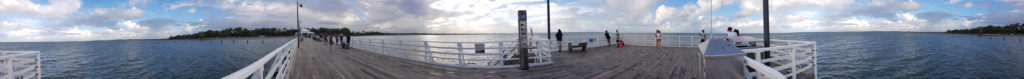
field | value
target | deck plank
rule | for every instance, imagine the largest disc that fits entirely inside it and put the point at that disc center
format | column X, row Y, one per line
column 316, row 60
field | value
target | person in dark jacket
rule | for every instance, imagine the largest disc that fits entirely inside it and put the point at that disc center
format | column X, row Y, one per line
column 558, row 37
column 607, row 38
column 348, row 40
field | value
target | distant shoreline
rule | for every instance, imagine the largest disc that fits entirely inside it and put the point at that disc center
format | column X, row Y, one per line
column 1015, row 35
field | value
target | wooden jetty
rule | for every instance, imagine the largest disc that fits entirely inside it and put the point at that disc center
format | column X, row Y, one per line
column 317, row 60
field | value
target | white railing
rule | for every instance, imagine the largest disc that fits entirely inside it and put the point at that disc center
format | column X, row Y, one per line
column 666, row 40
column 794, row 57
column 279, row 68
column 495, row 54
column 20, row 65
column 638, row 40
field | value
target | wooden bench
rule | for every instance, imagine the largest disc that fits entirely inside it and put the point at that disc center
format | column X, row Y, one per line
column 582, row 46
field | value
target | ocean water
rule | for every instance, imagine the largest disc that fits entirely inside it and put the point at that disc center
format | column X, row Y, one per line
column 869, row 55
column 146, row 59
column 841, row 55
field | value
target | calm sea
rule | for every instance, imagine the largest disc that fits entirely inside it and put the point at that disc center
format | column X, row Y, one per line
column 841, row 55
column 146, row 59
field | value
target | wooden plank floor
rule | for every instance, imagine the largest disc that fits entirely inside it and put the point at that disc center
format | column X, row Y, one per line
column 316, row 60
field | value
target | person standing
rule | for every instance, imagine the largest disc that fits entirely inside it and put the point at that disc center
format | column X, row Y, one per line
column 703, row 36
column 738, row 36
column 348, row 40
column 607, row 38
column 730, row 35
column 558, row 37
column 657, row 35
column 618, row 38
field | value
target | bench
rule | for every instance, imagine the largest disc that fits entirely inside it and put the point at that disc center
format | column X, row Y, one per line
column 582, row 46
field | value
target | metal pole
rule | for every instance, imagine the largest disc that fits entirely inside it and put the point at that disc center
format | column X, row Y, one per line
column 297, row 26
column 549, row 18
column 767, row 35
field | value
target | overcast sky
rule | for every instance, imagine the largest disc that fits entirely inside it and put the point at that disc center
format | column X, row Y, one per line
column 74, row 20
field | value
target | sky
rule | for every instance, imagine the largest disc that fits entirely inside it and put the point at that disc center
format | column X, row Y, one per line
column 85, row 20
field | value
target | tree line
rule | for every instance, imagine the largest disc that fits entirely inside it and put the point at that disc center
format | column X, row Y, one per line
column 992, row 29
column 237, row 32
column 245, row 32
column 322, row 30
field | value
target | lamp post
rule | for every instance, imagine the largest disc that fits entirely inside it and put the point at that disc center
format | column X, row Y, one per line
column 297, row 24
column 767, row 37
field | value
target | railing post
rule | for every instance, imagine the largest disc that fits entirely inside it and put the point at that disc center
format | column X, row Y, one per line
column 8, row 69
column 460, row 54
column 814, row 50
column 382, row 48
column 39, row 66
column 793, row 60
column 501, row 50
column 426, row 51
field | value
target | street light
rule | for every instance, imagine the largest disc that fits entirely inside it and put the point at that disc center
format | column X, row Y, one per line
column 297, row 24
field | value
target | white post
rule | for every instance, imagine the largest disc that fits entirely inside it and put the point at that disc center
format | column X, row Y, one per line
column 793, row 60
column 814, row 50
column 501, row 50
column 40, row 76
column 259, row 73
column 460, row 54
column 426, row 51
column 9, row 69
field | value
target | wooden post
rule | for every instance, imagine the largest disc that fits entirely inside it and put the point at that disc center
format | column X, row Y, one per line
column 523, row 41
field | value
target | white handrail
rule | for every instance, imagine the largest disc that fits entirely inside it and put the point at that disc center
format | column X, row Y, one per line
column 454, row 54
column 20, row 64
column 795, row 56
column 757, row 66
column 282, row 63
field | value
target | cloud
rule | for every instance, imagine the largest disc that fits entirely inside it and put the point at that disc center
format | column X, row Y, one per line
column 131, row 13
column 56, row 8
column 133, row 3
column 969, row 4
column 105, row 17
column 159, row 22
column 953, row 1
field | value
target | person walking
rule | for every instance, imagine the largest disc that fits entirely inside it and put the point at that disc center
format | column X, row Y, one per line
column 558, row 37
column 657, row 35
column 607, row 38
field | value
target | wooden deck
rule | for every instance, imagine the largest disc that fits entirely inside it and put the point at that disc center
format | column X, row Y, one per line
column 316, row 60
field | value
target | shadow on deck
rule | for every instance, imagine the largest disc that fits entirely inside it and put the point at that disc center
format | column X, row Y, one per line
column 317, row 60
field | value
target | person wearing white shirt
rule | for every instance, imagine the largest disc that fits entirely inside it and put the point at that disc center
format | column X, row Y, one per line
column 730, row 35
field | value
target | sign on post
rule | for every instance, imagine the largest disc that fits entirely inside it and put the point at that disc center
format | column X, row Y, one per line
column 523, row 41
